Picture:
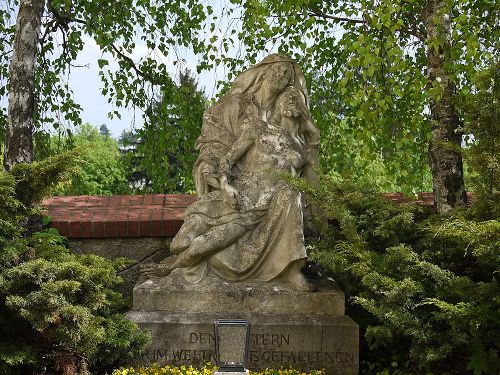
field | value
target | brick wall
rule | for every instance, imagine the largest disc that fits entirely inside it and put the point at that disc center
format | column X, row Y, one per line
column 133, row 216
column 117, row 216
column 138, row 227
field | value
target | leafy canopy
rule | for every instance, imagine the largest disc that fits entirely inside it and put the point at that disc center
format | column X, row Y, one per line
column 99, row 169
column 367, row 69
column 121, row 30
column 160, row 155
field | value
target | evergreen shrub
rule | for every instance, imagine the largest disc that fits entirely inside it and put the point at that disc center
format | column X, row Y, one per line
column 423, row 287
column 58, row 311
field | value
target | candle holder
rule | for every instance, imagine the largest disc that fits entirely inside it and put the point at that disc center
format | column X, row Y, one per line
column 231, row 344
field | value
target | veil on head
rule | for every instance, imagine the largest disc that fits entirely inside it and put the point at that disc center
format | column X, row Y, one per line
column 251, row 79
column 216, row 137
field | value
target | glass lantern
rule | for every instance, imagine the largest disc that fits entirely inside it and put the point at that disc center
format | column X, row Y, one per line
column 231, row 344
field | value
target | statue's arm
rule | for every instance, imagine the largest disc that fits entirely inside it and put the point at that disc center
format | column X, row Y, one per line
column 239, row 148
column 226, row 163
column 312, row 132
column 310, row 173
column 209, row 174
column 309, row 211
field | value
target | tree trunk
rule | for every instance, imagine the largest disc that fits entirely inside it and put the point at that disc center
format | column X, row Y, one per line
column 19, row 132
column 445, row 146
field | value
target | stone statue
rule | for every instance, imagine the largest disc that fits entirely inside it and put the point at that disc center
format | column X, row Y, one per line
column 247, row 224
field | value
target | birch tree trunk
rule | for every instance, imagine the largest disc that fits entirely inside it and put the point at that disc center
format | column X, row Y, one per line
column 444, row 148
column 19, row 132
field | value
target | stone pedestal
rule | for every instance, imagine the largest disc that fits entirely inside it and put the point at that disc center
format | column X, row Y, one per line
column 303, row 330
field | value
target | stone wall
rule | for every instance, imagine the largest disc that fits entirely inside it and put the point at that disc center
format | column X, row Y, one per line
column 137, row 227
column 138, row 250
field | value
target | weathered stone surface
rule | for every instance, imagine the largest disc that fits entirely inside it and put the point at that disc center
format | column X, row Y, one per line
column 289, row 340
column 139, row 250
column 240, row 251
column 173, row 294
column 248, row 224
column 302, row 329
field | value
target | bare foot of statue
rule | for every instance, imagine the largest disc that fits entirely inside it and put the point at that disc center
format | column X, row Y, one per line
column 156, row 270
column 294, row 278
column 299, row 282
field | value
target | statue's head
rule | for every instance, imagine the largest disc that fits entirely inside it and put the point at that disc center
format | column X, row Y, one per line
column 278, row 75
column 291, row 103
column 290, row 96
column 276, row 58
column 275, row 72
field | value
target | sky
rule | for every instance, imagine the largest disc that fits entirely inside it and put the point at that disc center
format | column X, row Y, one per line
column 85, row 82
column 87, row 85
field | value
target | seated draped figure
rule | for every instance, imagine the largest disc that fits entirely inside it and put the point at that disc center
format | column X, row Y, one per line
column 247, row 224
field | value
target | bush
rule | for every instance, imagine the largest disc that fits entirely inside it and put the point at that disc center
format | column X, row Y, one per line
column 423, row 287
column 482, row 156
column 99, row 169
column 58, row 310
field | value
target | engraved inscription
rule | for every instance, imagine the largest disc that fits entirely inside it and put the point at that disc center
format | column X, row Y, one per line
column 266, row 349
column 201, row 338
column 300, row 357
column 269, row 339
column 162, row 355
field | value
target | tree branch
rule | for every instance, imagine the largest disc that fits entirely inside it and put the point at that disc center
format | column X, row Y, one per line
column 335, row 18
column 412, row 30
column 139, row 72
column 132, row 63
column 5, row 53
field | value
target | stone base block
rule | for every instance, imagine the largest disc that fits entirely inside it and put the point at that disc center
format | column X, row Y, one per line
column 298, row 341
column 288, row 328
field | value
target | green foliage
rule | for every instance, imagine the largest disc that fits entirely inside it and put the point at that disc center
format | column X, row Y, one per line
column 57, row 309
column 99, row 169
column 36, row 180
column 424, row 287
column 207, row 369
column 483, row 154
column 120, row 30
column 160, row 156
column 366, row 64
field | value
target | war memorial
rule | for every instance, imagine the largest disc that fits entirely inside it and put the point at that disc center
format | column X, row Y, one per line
column 239, row 253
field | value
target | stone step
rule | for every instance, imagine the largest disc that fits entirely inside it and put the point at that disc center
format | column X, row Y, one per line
column 171, row 294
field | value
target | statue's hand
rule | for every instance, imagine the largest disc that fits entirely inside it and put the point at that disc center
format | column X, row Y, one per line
column 291, row 109
column 208, row 172
column 212, row 180
column 224, row 166
column 156, row 270
column 229, row 194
